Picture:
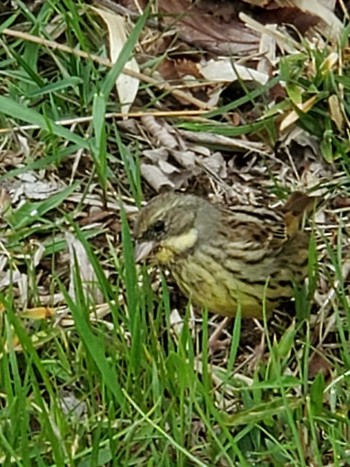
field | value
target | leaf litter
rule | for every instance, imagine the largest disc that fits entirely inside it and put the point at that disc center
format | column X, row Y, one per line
column 208, row 51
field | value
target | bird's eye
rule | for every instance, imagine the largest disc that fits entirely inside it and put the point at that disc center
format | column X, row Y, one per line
column 158, row 227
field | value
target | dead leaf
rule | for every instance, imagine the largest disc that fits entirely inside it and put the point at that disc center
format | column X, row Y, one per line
column 71, row 406
column 10, row 278
column 78, row 259
column 166, row 168
column 41, row 312
column 319, row 364
column 156, row 154
column 127, row 86
column 31, row 187
column 341, row 202
column 329, row 63
column 335, row 111
column 330, row 26
column 184, row 158
column 197, row 25
column 161, row 131
column 5, row 202
column 216, row 164
column 303, row 14
column 174, row 70
column 155, row 177
column 293, row 116
column 227, row 71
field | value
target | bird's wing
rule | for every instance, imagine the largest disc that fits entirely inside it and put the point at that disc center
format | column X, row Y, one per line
column 259, row 225
column 255, row 225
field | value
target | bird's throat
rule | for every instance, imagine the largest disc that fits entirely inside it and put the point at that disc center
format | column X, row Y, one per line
column 175, row 246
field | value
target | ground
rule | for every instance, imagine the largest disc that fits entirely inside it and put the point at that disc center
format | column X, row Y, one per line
column 104, row 362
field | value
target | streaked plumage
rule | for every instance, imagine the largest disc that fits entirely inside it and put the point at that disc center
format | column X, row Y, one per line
column 224, row 258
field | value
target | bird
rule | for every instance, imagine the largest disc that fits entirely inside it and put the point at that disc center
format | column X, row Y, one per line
column 226, row 259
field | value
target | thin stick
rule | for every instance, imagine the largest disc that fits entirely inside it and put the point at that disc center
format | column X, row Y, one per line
column 105, row 61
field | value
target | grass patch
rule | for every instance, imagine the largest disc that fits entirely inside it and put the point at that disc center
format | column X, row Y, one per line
column 101, row 362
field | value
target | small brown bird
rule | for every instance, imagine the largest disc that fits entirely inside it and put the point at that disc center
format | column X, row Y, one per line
column 226, row 258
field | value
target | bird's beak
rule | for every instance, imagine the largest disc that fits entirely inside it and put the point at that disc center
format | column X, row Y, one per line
column 142, row 250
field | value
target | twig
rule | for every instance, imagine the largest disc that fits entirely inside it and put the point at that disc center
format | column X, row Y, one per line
column 105, row 61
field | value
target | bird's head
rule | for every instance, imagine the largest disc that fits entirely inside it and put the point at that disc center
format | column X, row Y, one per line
column 167, row 227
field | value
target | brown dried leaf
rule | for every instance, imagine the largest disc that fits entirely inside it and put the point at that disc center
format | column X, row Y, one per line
column 319, row 364
column 216, row 164
column 78, row 258
column 198, row 26
column 161, row 131
column 174, row 70
column 186, row 159
column 127, row 86
column 167, row 168
column 31, row 188
column 341, row 202
column 335, row 111
column 5, row 201
column 302, row 20
column 330, row 26
column 155, row 177
column 267, row 53
column 304, row 15
column 293, row 116
column 156, row 154
column 225, row 70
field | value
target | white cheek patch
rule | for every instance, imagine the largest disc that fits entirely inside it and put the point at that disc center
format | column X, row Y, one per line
column 182, row 243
